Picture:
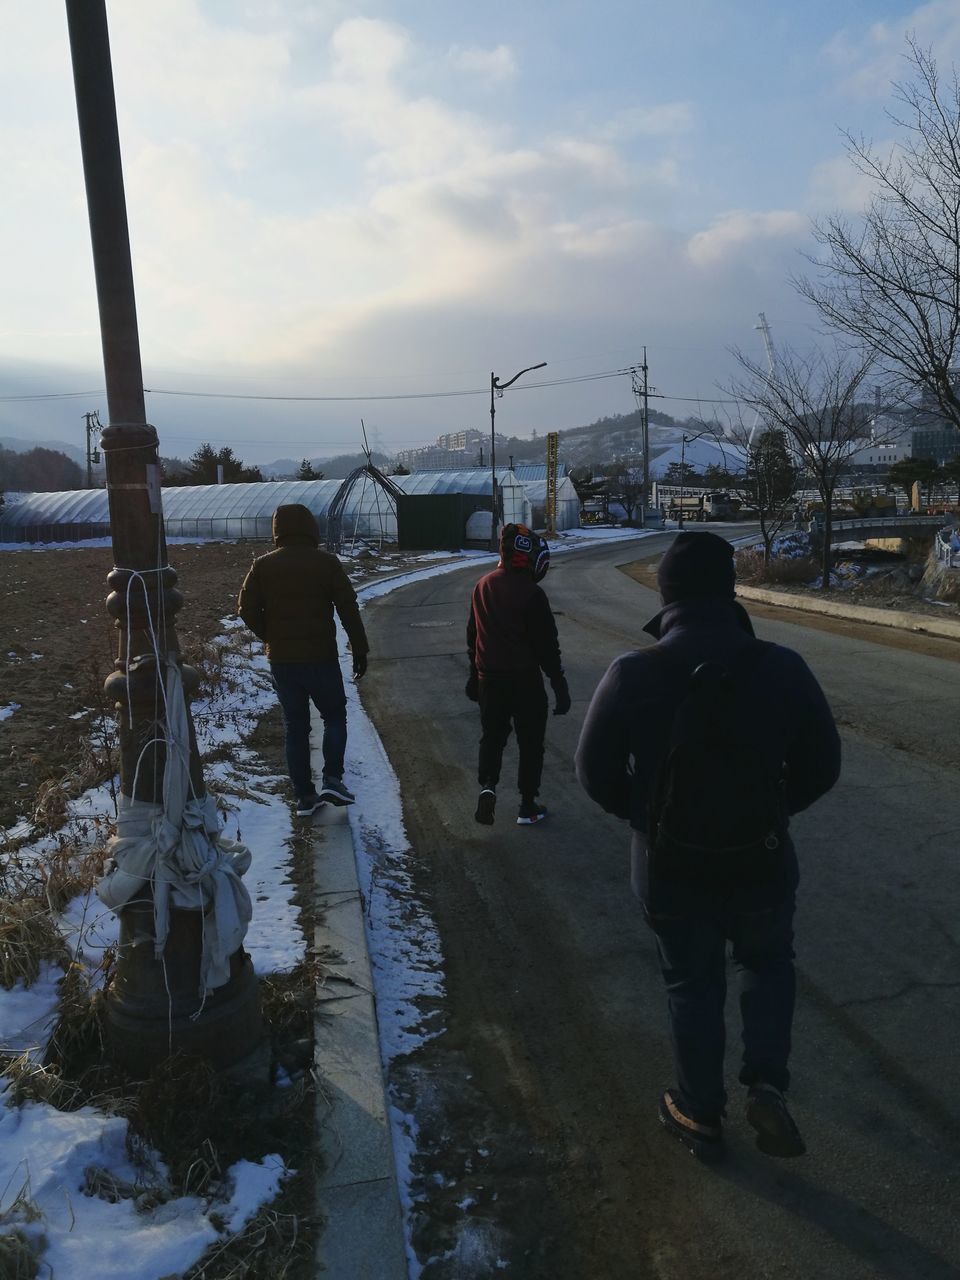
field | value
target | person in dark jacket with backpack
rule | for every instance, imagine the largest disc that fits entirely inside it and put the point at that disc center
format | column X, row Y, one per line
column 288, row 600
column 511, row 638
column 671, row 734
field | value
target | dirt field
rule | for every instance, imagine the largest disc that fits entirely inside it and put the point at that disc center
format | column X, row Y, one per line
column 57, row 645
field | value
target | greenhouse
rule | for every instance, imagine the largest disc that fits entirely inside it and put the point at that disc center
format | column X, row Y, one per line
column 424, row 510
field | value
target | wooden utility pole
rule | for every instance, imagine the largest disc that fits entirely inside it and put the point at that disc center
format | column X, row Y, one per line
column 93, row 426
column 641, row 390
column 153, row 1001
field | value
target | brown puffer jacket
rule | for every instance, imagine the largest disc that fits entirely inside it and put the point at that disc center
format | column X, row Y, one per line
column 289, row 595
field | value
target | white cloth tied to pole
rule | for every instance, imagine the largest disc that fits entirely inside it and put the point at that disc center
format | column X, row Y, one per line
column 176, row 848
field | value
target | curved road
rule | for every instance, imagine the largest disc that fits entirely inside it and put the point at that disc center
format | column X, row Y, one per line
column 540, row 1152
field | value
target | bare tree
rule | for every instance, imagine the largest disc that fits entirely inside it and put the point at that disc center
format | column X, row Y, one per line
column 812, row 399
column 890, row 280
column 768, row 482
column 626, row 485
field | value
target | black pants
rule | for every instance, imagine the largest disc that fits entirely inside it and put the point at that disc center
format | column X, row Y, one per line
column 516, row 699
column 692, row 928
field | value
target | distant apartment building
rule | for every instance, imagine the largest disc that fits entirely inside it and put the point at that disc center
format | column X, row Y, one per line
column 458, row 441
column 452, row 452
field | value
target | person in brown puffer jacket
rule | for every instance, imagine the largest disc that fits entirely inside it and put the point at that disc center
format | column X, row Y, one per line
column 288, row 600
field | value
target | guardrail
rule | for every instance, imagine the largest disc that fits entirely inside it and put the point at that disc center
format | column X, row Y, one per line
column 946, row 553
column 903, row 519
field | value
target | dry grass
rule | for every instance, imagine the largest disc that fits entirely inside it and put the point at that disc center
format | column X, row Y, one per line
column 28, row 937
column 32, row 1081
column 199, row 1122
column 271, row 1246
column 78, row 1038
column 780, row 571
column 18, row 1257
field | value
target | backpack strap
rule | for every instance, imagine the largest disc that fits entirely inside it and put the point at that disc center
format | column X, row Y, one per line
column 748, row 657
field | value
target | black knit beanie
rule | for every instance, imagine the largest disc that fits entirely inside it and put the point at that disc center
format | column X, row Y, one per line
column 696, row 565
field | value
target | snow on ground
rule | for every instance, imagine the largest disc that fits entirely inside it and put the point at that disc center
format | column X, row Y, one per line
column 27, row 1014
column 54, row 1162
column 45, row 1154
column 84, row 544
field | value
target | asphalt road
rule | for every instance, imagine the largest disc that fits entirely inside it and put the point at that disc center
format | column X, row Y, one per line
column 539, row 1144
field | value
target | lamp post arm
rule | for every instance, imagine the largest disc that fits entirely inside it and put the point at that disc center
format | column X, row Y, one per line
column 495, row 386
column 502, row 386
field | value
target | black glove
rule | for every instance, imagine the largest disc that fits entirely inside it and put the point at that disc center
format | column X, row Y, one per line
column 562, row 695
column 472, row 687
column 359, row 665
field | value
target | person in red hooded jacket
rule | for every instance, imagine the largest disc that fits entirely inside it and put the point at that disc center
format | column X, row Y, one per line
column 511, row 639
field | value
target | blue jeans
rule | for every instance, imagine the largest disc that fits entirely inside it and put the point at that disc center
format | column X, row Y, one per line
column 692, row 930
column 297, row 685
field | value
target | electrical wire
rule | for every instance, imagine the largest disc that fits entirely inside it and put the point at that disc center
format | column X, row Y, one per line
column 406, row 395
column 54, row 395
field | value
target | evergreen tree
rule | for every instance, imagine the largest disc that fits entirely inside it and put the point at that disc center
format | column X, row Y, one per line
column 39, row 471
column 203, row 464
column 307, row 471
column 908, row 471
column 681, row 473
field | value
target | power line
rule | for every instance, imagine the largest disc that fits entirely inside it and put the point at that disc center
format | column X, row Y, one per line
column 405, row 395
column 410, row 395
column 55, row 395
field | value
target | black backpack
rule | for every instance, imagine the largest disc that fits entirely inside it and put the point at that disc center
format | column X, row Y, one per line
column 717, row 811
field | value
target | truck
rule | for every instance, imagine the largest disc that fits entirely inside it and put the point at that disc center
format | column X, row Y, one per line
column 703, row 506
column 866, row 503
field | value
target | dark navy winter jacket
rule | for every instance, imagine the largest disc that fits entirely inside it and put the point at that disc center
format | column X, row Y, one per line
column 627, row 726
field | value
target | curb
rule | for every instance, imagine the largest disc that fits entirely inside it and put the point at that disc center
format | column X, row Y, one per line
column 901, row 619
column 362, row 1236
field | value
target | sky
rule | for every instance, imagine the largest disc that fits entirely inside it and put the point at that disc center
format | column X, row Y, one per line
column 384, row 200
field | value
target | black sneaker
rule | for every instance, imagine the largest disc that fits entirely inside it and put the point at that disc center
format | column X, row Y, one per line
column 334, row 791
column 530, row 812
column 777, row 1133
column 307, row 805
column 702, row 1139
column 486, row 806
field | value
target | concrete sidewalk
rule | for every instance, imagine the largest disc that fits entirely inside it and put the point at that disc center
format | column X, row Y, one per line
column 903, row 619
column 362, row 1238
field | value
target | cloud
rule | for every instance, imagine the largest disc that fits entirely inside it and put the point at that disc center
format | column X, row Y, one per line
column 313, row 201
column 368, row 49
column 733, row 232
column 493, row 65
column 868, row 62
column 836, row 184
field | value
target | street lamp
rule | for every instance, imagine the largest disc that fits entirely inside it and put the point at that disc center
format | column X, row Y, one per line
column 497, row 388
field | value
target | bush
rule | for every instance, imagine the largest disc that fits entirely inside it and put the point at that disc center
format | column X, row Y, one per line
column 781, row 571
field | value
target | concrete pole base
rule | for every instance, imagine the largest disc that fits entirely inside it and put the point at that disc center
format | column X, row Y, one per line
column 154, row 1008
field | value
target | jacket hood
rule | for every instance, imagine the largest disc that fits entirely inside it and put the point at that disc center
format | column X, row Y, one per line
column 294, row 521
column 706, row 612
